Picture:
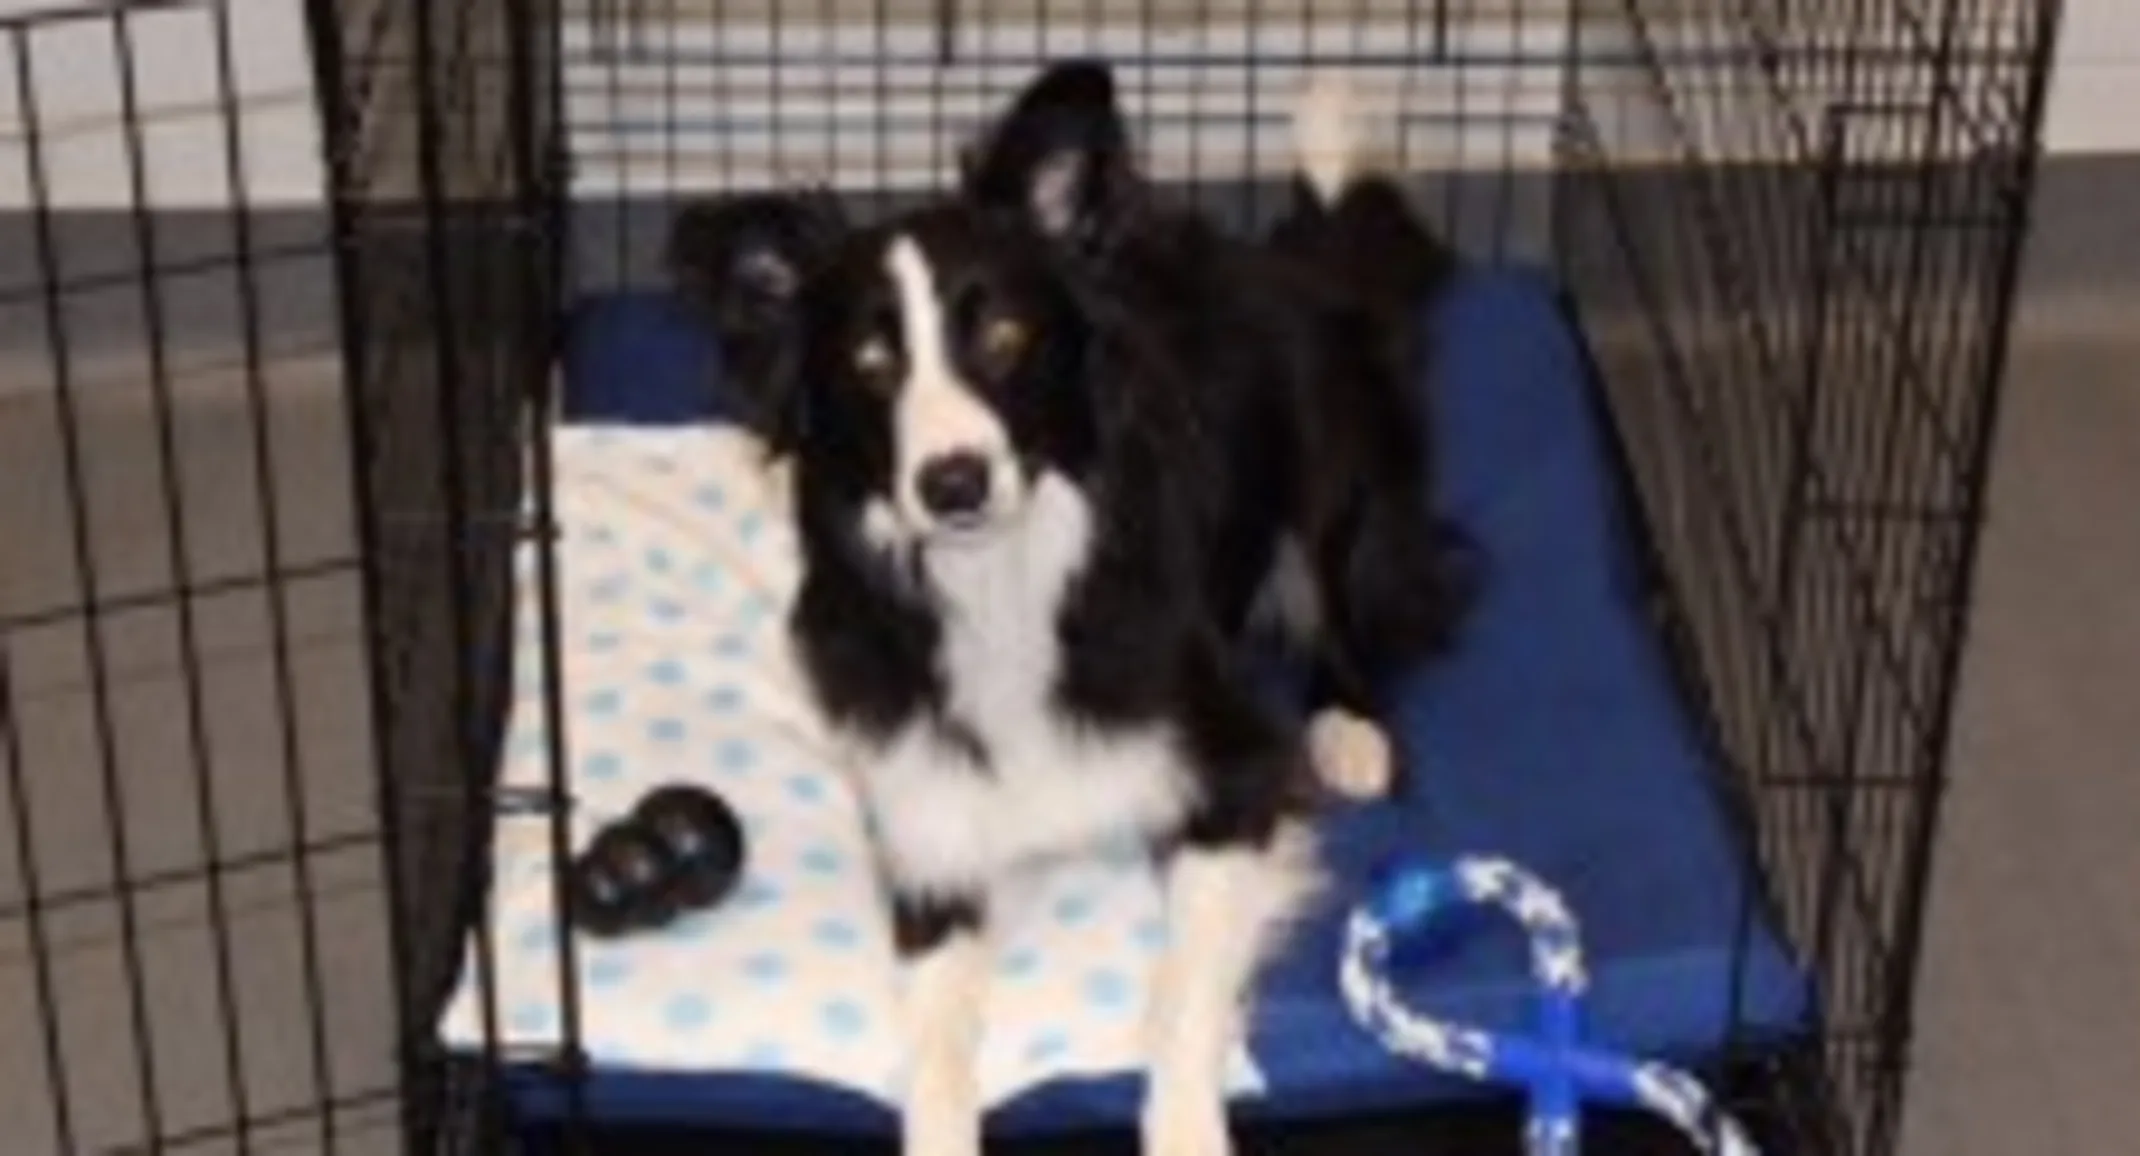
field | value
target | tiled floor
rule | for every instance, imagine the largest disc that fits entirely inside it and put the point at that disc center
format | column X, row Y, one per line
column 272, row 956
column 2030, row 1002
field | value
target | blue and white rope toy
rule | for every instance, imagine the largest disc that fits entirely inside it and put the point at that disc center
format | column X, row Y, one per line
column 1557, row 1068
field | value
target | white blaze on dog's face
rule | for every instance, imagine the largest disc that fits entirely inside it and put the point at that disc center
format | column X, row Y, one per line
column 942, row 365
column 955, row 468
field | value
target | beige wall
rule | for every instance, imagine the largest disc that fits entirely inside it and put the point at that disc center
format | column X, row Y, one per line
column 2095, row 94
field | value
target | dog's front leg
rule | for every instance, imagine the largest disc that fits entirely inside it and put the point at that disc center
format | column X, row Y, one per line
column 947, row 968
column 1225, row 903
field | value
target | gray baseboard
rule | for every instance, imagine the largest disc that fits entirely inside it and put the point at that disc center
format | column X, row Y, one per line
column 2082, row 272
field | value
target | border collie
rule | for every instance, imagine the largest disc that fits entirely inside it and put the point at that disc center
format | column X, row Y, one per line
column 1302, row 357
column 1050, row 442
column 1003, row 607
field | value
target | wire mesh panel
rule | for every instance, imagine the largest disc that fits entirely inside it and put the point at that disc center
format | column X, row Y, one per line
column 191, row 944
column 1794, row 228
column 666, row 98
column 441, row 169
column 1791, row 228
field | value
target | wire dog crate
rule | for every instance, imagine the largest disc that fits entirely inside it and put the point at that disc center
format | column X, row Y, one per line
column 270, row 464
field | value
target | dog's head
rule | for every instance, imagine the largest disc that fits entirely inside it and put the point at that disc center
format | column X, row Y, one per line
column 1060, row 156
column 943, row 365
column 742, row 261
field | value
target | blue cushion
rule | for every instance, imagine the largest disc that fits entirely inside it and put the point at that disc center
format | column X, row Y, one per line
column 1555, row 736
column 641, row 359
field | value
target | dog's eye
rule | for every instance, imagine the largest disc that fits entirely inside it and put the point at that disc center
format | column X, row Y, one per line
column 1003, row 340
column 873, row 361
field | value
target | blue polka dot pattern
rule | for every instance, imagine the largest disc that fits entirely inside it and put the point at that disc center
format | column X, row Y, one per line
column 604, row 641
column 666, row 730
column 658, row 560
column 765, row 1056
column 538, row 937
column 1107, row 990
column 665, row 611
column 766, row 967
column 710, row 497
column 1021, row 963
column 708, row 577
column 688, row 1013
column 734, row 755
column 805, row 789
column 696, row 926
column 821, row 861
column 604, row 701
column 608, row 970
column 602, row 766
column 836, row 933
column 843, row 1019
column 750, row 526
column 533, row 1018
column 731, row 646
column 1151, row 934
column 1046, row 1047
column 667, row 672
column 724, row 700
column 610, row 589
column 1073, row 910
column 756, row 893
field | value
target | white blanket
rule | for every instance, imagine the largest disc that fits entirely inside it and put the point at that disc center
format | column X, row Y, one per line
column 676, row 562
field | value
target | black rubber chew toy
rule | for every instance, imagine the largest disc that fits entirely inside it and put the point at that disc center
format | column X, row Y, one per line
column 681, row 849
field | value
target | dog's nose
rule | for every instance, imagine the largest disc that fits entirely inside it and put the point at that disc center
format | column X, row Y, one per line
column 954, row 485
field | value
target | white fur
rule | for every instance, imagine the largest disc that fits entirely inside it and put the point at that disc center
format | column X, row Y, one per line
column 1351, row 754
column 938, row 412
column 946, row 990
column 1225, row 910
column 1327, row 136
column 1051, row 787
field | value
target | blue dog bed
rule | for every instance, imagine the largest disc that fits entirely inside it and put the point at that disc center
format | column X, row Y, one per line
column 1555, row 736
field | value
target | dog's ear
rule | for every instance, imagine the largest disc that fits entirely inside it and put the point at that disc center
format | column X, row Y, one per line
column 743, row 263
column 743, row 259
column 1060, row 155
column 782, row 400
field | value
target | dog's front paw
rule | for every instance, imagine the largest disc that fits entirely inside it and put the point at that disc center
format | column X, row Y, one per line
column 940, row 1135
column 1176, row 1125
column 942, row 1116
column 1352, row 755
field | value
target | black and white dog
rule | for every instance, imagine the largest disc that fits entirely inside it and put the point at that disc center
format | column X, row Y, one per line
column 1051, row 441
column 1302, row 355
column 1003, row 604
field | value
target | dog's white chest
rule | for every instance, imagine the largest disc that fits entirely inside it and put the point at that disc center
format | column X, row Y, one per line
column 1048, row 786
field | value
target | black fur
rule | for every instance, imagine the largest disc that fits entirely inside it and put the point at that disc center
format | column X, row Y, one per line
column 1296, row 361
column 1096, row 401
column 740, row 261
column 922, row 922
